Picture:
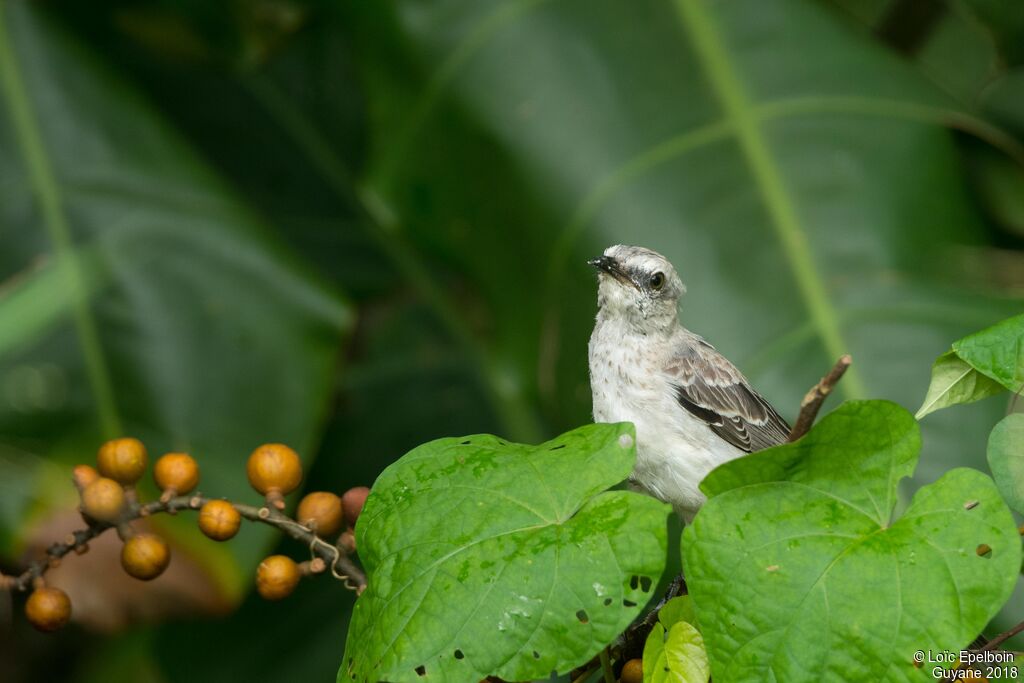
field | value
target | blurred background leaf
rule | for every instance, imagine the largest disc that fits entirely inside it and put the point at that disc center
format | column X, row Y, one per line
column 828, row 175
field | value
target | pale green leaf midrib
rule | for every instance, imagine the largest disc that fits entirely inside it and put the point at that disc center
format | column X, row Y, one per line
column 724, row 80
column 927, row 406
column 44, row 184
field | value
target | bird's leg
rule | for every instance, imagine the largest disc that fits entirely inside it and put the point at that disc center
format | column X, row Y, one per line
column 636, row 635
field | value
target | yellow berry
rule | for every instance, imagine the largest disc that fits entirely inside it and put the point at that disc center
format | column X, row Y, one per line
column 83, row 475
column 177, row 472
column 274, row 467
column 145, row 556
column 276, row 577
column 322, row 512
column 123, row 460
column 48, row 609
column 219, row 520
column 353, row 501
column 632, row 671
column 103, row 500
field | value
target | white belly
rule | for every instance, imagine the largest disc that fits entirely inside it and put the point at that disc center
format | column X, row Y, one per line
column 675, row 450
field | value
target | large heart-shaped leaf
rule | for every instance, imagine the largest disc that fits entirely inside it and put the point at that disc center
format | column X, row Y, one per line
column 797, row 545
column 164, row 309
column 492, row 558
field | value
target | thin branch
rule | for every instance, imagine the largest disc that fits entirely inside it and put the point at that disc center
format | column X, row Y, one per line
column 335, row 556
column 1003, row 637
column 812, row 402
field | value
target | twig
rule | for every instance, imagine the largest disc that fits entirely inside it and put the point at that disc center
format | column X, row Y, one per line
column 341, row 565
column 811, row 404
column 1003, row 637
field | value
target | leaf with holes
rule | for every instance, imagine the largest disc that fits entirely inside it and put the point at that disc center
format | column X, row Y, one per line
column 491, row 558
column 797, row 544
column 1006, row 458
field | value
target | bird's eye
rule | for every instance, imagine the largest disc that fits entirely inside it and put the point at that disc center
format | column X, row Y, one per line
column 657, row 281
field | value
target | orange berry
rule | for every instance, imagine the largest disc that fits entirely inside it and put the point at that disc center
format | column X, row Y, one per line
column 123, row 460
column 321, row 511
column 48, row 608
column 83, row 475
column 145, row 556
column 632, row 671
column 219, row 520
column 177, row 472
column 276, row 577
column 353, row 501
column 274, row 468
column 103, row 500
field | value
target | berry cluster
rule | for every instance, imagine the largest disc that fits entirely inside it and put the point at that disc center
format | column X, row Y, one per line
column 109, row 500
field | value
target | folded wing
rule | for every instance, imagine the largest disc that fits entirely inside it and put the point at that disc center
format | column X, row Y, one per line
column 716, row 392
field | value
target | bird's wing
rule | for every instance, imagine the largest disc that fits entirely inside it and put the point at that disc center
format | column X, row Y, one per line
column 715, row 391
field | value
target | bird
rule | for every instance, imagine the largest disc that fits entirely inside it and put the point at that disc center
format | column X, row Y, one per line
column 692, row 409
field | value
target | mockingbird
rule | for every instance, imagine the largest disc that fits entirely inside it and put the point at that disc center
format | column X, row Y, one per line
column 693, row 410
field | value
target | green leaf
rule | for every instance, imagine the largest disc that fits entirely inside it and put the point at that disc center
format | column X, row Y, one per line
column 165, row 310
column 980, row 365
column 678, row 657
column 492, row 558
column 674, row 650
column 997, row 352
column 677, row 609
column 1006, row 458
column 797, row 546
column 954, row 381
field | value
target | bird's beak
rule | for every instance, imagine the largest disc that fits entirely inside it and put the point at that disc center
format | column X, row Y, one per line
column 607, row 264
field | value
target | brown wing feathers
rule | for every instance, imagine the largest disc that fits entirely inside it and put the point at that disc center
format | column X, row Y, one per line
column 713, row 390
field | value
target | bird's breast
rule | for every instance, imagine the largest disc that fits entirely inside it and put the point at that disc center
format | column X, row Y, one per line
column 624, row 375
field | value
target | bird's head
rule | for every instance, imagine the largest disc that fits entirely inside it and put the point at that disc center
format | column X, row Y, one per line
column 638, row 285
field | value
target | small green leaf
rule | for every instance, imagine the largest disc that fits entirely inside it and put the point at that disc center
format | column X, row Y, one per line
column 954, row 381
column 1006, row 458
column 797, row 546
column 997, row 352
column 678, row 658
column 491, row 558
column 677, row 609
